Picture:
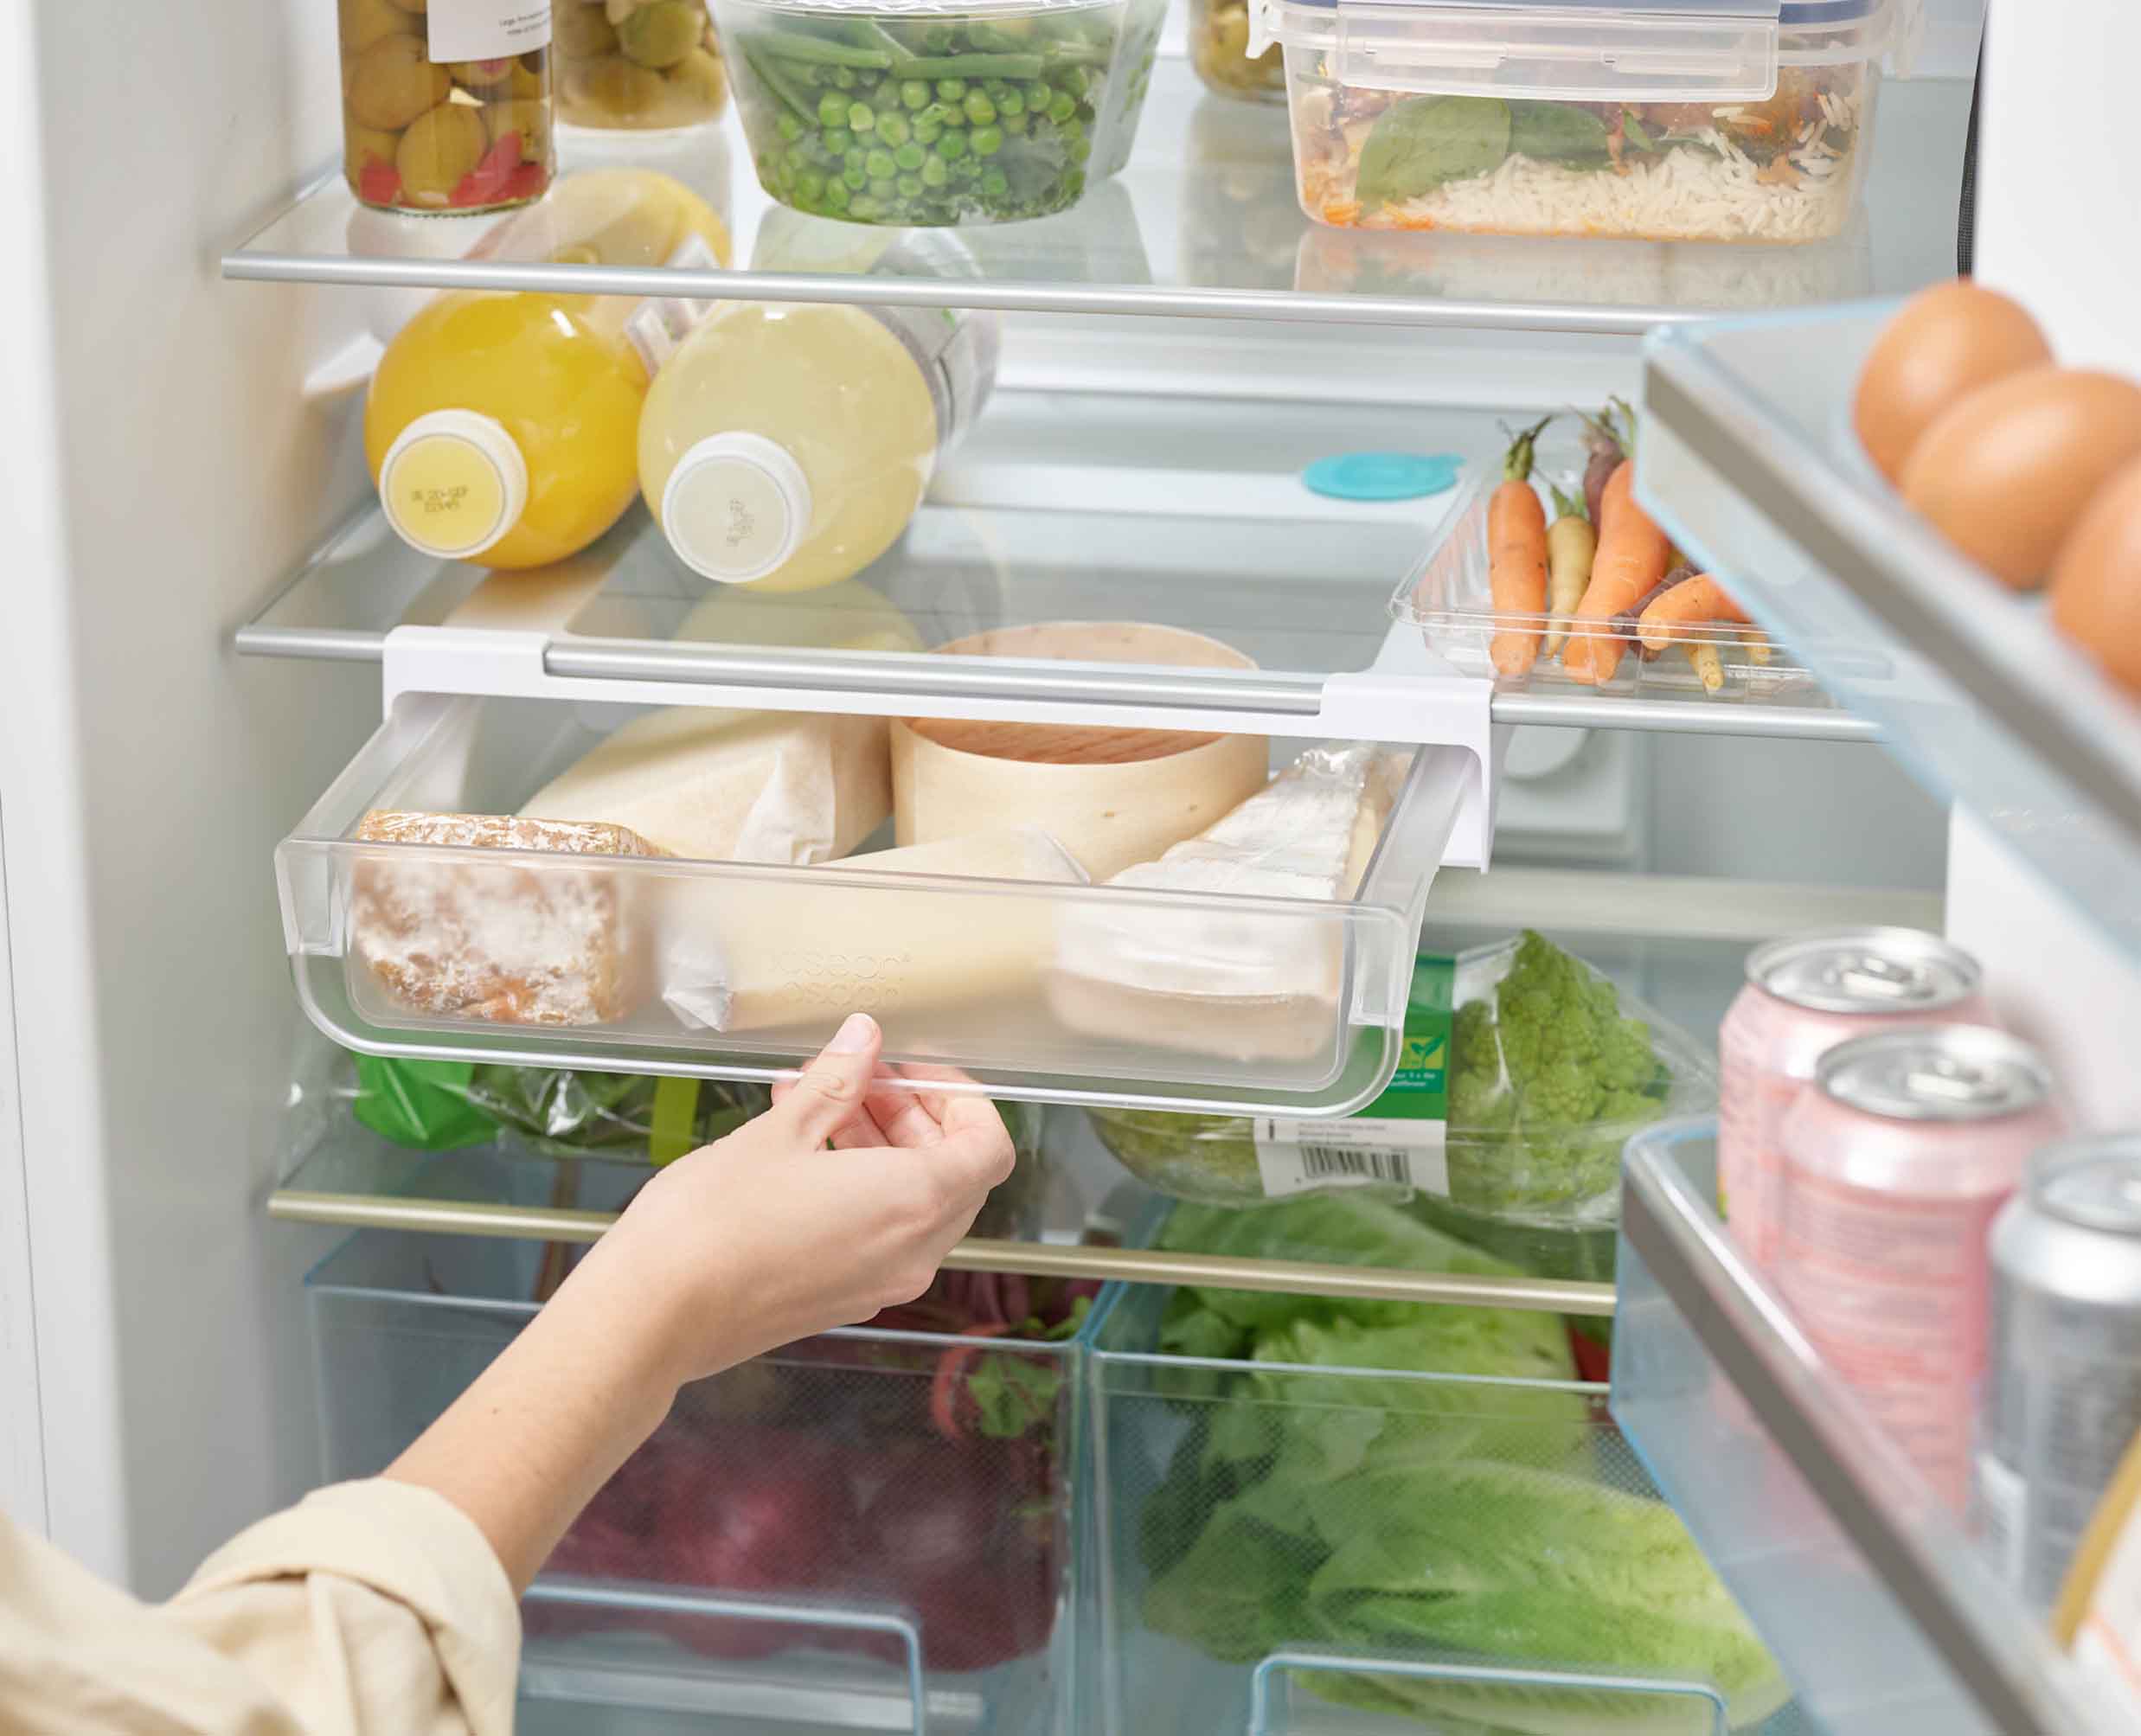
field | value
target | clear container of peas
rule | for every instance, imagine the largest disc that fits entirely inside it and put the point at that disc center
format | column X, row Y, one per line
column 923, row 113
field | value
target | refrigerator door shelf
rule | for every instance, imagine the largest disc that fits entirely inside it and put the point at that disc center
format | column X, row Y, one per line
column 1747, row 459
column 1861, row 1580
column 1285, row 1005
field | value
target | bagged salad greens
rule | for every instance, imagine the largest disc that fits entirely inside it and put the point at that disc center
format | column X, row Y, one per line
column 1322, row 1496
column 442, row 1105
column 1524, row 1074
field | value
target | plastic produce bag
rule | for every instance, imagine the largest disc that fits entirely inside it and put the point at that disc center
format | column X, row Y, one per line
column 1525, row 1073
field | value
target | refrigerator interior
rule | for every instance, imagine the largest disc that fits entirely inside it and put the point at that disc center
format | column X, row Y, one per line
column 151, row 1049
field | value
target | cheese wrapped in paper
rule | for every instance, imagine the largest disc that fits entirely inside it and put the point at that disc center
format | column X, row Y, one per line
column 749, row 954
column 514, row 940
column 1249, row 983
column 755, row 786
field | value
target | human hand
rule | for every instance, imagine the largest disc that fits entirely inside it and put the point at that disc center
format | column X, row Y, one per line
column 767, row 1235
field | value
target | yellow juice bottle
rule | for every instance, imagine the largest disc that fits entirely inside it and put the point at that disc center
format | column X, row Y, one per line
column 500, row 426
column 786, row 446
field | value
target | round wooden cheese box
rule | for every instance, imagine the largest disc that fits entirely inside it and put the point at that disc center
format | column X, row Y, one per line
column 1110, row 797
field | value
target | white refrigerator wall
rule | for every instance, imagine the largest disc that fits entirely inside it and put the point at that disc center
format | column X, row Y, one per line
column 162, row 472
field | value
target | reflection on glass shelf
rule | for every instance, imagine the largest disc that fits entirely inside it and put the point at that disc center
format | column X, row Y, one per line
column 1742, row 460
column 1215, row 179
column 1859, row 1577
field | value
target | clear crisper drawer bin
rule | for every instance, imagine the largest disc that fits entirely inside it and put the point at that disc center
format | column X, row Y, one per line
column 1287, row 1545
column 1694, row 122
column 866, row 1530
column 986, row 951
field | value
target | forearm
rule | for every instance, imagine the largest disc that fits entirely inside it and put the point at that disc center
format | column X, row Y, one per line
column 544, row 1428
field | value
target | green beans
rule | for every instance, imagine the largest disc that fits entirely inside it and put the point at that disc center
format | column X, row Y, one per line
column 898, row 119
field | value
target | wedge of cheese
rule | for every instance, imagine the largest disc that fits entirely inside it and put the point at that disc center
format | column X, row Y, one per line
column 1252, row 982
column 750, row 786
column 751, row 954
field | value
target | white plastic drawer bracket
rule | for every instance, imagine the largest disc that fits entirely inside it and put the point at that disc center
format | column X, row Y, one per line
column 1407, row 697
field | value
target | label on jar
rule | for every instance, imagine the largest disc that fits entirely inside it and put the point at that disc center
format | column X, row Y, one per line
column 486, row 30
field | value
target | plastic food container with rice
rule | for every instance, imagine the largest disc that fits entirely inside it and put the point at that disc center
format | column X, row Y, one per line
column 1687, row 120
column 920, row 113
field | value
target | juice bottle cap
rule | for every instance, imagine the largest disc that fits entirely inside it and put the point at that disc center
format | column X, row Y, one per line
column 453, row 483
column 736, row 507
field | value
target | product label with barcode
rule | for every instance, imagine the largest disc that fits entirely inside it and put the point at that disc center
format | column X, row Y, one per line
column 1397, row 1141
column 1293, row 1156
column 486, row 29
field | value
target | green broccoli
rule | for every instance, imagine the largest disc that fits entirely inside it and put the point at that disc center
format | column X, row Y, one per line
column 1546, row 1082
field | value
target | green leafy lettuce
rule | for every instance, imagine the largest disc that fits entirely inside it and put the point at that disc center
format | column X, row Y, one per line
column 1317, row 1502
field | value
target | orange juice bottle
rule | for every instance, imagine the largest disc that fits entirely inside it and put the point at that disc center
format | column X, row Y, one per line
column 503, row 427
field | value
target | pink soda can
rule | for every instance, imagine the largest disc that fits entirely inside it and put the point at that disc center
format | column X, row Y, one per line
column 1803, row 996
column 1897, row 1157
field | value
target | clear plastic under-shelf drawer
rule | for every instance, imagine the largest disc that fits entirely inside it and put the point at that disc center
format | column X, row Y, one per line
column 866, row 1530
column 1035, row 987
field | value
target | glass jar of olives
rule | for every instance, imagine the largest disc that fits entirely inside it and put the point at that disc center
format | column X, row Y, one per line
column 1219, row 48
column 446, row 104
column 637, row 64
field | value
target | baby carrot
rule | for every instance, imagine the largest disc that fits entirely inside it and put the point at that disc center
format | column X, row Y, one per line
column 1632, row 556
column 1517, row 560
column 1571, row 543
column 1701, row 599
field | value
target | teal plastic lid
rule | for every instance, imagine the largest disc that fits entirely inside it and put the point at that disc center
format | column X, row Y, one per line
column 1382, row 476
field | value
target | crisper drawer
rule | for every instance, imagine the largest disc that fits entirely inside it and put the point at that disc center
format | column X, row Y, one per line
column 1325, row 1546
column 869, row 1529
column 1039, row 985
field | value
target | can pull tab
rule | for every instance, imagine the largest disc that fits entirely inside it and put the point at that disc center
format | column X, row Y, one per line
column 1945, row 1080
column 1877, row 978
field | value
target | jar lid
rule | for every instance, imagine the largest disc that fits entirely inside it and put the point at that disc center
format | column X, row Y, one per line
column 453, row 483
column 736, row 507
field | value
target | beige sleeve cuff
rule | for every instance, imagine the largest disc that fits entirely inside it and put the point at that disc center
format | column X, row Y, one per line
column 389, row 1569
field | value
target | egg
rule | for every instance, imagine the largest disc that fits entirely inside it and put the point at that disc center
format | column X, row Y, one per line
column 2004, row 473
column 1946, row 342
column 2096, row 585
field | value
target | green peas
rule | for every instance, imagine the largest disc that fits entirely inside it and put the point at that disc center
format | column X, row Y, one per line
column 951, row 147
column 880, row 164
column 837, row 140
column 855, row 176
column 987, row 140
column 952, row 90
column 832, row 109
column 854, row 158
column 836, row 197
column 842, row 78
column 979, row 109
column 909, row 156
column 862, row 205
column 1016, row 124
column 893, row 129
column 810, row 185
column 1062, row 106
column 881, row 186
column 1011, row 103
column 914, row 93
column 860, row 118
column 926, row 131
column 934, row 171
column 908, row 186
column 994, row 183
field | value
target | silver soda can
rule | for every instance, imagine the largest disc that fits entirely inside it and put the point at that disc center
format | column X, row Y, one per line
column 1804, row 995
column 2063, row 1388
column 1896, row 1160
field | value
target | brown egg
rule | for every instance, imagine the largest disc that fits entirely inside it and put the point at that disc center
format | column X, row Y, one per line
column 1945, row 342
column 2006, row 473
column 2096, row 585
